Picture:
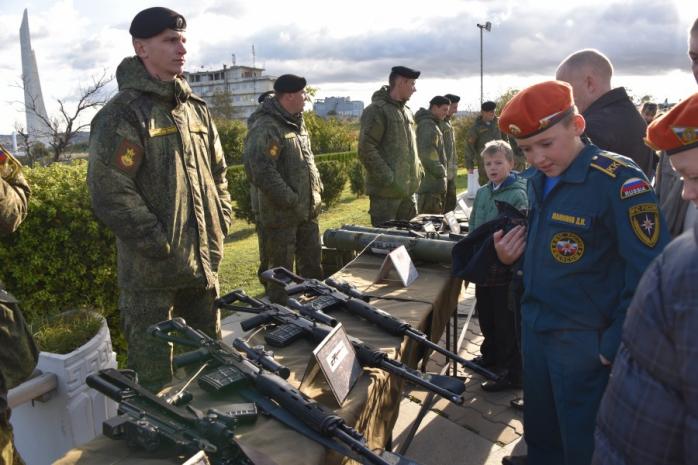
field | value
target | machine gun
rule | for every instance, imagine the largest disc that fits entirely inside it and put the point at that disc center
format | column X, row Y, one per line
column 333, row 293
column 150, row 422
column 300, row 412
column 292, row 326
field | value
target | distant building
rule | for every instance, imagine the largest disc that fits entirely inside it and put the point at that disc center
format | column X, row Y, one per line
column 341, row 107
column 243, row 84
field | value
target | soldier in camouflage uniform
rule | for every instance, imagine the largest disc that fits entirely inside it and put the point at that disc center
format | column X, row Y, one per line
column 18, row 353
column 484, row 129
column 254, row 196
column 432, row 153
column 451, row 157
column 280, row 164
column 157, row 179
column 388, row 149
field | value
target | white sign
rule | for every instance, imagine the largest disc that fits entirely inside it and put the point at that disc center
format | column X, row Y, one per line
column 399, row 260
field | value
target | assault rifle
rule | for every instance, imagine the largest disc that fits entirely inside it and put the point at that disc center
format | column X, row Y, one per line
column 298, row 412
column 292, row 326
column 333, row 293
column 152, row 423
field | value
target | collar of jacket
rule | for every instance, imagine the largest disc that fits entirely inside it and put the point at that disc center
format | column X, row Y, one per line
column 576, row 173
column 131, row 74
column 511, row 179
column 612, row 96
column 272, row 107
column 384, row 94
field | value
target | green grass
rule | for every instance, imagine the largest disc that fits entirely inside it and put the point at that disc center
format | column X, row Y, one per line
column 67, row 332
column 240, row 261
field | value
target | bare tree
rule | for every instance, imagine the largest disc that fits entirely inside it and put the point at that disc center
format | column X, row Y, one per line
column 63, row 127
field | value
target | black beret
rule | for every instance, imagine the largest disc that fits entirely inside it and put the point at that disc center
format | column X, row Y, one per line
column 488, row 106
column 152, row 21
column 452, row 98
column 289, row 83
column 404, row 71
column 262, row 97
column 439, row 100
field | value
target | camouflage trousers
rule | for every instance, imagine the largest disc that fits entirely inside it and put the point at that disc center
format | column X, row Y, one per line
column 299, row 244
column 8, row 452
column 431, row 203
column 384, row 209
column 450, row 200
column 152, row 358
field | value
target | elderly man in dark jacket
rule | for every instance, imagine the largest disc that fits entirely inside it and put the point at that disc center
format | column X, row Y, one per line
column 649, row 413
column 613, row 122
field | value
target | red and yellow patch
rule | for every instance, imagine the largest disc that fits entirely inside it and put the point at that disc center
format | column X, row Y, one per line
column 273, row 150
column 567, row 247
column 128, row 156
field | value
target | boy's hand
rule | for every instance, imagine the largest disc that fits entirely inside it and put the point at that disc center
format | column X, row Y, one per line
column 510, row 246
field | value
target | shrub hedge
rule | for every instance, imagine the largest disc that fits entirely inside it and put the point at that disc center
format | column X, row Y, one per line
column 61, row 257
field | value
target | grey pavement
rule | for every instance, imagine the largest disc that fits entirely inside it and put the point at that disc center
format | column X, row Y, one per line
column 480, row 432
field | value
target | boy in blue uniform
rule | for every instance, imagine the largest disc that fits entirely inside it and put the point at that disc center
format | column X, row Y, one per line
column 593, row 229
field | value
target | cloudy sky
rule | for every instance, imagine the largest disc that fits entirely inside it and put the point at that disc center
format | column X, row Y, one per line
column 347, row 48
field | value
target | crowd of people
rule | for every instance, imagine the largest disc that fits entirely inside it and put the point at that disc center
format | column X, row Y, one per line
column 596, row 320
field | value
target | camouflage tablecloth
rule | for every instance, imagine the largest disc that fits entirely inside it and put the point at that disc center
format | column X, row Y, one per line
column 372, row 405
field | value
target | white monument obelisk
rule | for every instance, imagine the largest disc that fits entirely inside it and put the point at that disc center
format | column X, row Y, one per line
column 37, row 128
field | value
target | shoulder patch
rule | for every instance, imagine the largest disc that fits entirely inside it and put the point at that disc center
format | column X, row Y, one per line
column 633, row 187
column 273, row 150
column 128, row 156
column 644, row 219
column 607, row 164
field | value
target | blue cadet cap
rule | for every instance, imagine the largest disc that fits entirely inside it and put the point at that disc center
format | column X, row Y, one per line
column 152, row 21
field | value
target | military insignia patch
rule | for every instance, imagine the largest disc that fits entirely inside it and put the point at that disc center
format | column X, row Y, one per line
column 644, row 218
column 128, row 156
column 567, row 247
column 514, row 130
column 633, row 187
column 273, row 150
column 606, row 164
column 686, row 135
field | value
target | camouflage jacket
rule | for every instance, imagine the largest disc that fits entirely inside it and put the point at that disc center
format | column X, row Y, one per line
column 449, row 148
column 388, row 147
column 157, row 179
column 478, row 135
column 430, row 143
column 19, row 354
column 280, row 164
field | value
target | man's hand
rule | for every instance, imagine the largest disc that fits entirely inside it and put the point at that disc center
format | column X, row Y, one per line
column 510, row 246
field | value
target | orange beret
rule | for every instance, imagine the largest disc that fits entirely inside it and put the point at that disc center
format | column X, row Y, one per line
column 676, row 130
column 536, row 108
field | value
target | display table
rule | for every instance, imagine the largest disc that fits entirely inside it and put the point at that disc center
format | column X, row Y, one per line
column 372, row 405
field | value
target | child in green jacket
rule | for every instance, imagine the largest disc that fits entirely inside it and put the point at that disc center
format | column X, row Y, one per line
column 499, row 348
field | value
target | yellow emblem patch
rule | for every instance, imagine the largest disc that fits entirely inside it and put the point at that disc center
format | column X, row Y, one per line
column 514, row 130
column 686, row 135
column 128, row 156
column 644, row 218
column 273, row 150
column 567, row 247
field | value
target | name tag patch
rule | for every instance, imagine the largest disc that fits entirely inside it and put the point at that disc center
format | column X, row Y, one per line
column 633, row 187
column 567, row 247
column 583, row 222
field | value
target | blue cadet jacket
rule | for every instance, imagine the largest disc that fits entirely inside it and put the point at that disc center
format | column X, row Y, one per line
column 589, row 241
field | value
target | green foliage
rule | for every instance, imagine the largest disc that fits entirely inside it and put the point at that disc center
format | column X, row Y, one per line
column 345, row 157
column 239, row 188
column 461, row 126
column 329, row 135
column 61, row 257
column 68, row 331
column 357, row 178
column 504, row 99
column 232, row 134
column 334, row 177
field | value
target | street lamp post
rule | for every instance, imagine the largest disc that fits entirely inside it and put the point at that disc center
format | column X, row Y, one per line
column 487, row 27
